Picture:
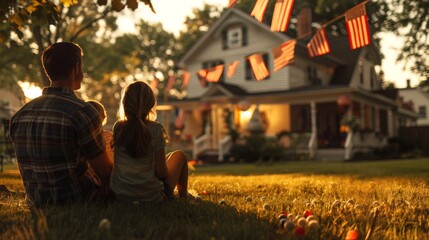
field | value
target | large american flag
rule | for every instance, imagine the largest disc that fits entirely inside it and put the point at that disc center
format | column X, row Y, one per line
column 357, row 26
column 258, row 66
column 318, row 45
column 259, row 9
column 214, row 73
column 284, row 54
column 202, row 74
column 281, row 15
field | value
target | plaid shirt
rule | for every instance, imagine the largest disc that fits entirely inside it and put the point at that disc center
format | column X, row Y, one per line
column 53, row 135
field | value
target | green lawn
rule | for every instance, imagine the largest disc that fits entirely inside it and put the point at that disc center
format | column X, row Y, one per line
column 390, row 199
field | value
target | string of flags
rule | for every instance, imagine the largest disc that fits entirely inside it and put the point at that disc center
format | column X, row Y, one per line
column 357, row 28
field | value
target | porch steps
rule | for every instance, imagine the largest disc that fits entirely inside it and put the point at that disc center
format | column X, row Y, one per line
column 330, row 154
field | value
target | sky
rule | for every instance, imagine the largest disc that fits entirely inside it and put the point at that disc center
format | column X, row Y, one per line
column 172, row 13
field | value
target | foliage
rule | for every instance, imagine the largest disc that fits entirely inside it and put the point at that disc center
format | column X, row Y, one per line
column 233, row 205
column 410, row 20
column 196, row 25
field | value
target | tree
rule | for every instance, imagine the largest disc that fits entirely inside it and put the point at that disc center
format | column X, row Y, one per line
column 410, row 20
column 196, row 25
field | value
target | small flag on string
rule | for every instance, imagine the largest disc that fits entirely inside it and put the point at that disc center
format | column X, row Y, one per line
column 186, row 76
column 259, row 9
column 284, row 54
column 357, row 26
column 318, row 45
column 232, row 3
column 258, row 66
column 202, row 74
column 170, row 83
column 214, row 73
column 281, row 15
column 232, row 67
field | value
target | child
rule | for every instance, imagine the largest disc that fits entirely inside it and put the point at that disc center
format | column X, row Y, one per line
column 142, row 172
column 108, row 135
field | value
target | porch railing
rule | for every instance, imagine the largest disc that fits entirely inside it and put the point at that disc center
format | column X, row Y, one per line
column 224, row 146
column 201, row 144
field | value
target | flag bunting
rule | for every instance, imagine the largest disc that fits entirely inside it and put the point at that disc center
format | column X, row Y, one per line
column 259, row 10
column 281, row 15
column 232, row 67
column 258, row 66
column 357, row 26
column 284, row 54
column 318, row 44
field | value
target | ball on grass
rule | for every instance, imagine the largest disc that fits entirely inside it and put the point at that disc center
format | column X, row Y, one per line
column 352, row 235
column 267, row 206
column 289, row 225
column 249, row 198
column 313, row 225
column 302, row 222
column 104, row 224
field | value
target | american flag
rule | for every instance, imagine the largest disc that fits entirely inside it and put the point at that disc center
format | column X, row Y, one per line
column 214, row 73
column 281, row 15
column 232, row 3
column 318, row 45
column 259, row 9
column 232, row 67
column 202, row 74
column 357, row 26
column 258, row 66
column 186, row 76
column 284, row 54
column 170, row 83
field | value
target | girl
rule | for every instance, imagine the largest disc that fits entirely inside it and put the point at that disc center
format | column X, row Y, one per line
column 142, row 172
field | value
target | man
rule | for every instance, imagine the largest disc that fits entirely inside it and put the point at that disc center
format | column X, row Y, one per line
column 58, row 137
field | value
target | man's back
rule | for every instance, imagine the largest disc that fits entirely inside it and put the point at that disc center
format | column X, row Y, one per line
column 53, row 136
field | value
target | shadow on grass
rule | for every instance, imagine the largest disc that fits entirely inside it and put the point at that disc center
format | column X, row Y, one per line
column 172, row 220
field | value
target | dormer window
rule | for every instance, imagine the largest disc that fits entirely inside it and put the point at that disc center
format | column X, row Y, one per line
column 234, row 37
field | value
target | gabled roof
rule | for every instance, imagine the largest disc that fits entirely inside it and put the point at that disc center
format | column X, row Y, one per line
column 222, row 90
column 214, row 28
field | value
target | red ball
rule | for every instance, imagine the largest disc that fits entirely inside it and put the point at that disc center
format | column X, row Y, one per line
column 307, row 213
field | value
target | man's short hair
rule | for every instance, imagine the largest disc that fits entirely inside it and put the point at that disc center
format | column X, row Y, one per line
column 59, row 59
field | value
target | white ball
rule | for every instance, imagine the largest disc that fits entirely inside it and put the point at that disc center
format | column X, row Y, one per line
column 302, row 222
column 313, row 225
column 311, row 217
column 289, row 225
column 249, row 198
column 104, row 224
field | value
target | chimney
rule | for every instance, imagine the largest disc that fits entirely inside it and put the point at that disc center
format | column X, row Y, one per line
column 408, row 83
column 304, row 21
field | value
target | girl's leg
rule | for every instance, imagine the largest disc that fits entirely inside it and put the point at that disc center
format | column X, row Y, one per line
column 177, row 168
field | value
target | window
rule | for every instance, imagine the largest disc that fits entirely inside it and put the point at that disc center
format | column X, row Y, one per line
column 312, row 75
column 209, row 64
column 234, row 37
column 422, row 111
column 249, row 72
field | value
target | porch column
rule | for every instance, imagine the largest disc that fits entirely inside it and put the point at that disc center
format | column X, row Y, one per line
column 348, row 145
column 312, row 145
column 392, row 125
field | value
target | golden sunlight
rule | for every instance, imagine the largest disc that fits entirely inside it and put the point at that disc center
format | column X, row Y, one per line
column 31, row 91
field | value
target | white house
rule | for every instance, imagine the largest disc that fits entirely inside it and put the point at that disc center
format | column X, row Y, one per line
column 420, row 102
column 300, row 99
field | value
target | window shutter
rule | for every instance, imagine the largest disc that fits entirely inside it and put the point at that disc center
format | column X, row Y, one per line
column 224, row 39
column 244, row 35
column 248, row 70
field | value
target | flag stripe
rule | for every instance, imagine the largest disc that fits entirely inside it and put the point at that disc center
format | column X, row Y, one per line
column 258, row 66
column 284, row 54
column 170, row 83
column 231, row 3
column 318, row 45
column 259, row 10
column 186, row 76
column 281, row 15
column 232, row 68
column 357, row 27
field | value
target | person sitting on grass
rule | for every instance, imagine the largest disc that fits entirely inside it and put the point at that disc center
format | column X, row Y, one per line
column 142, row 171
column 107, row 135
column 57, row 137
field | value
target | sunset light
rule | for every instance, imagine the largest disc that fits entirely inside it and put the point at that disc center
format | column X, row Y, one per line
column 31, row 91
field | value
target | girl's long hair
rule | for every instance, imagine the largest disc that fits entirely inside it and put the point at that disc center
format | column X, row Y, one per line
column 136, row 109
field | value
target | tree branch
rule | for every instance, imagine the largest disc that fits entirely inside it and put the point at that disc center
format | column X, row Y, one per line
column 103, row 15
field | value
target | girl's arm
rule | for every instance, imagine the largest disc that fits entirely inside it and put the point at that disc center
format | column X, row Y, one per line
column 160, row 164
